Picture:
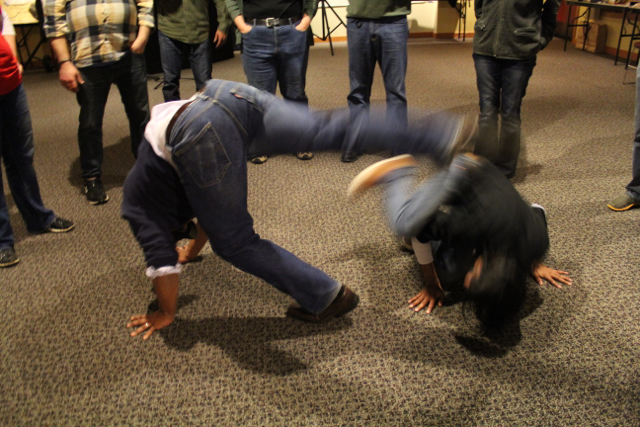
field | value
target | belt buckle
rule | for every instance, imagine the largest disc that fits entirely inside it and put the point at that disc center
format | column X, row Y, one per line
column 271, row 22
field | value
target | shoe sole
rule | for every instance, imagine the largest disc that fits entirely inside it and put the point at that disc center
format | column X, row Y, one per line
column 9, row 264
column 98, row 202
column 625, row 208
column 61, row 230
column 370, row 175
column 305, row 157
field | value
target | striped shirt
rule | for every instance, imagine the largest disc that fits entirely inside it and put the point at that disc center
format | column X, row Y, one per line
column 99, row 31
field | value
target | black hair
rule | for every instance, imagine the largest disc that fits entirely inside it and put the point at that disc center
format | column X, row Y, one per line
column 499, row 291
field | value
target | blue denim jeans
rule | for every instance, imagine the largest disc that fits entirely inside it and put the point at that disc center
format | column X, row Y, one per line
column 129, row 74
column 502, row 83
column 16, row 144
column 208, row 145
column 633, row 188
column 383, row 41
column 171, row 57
column 276, row 55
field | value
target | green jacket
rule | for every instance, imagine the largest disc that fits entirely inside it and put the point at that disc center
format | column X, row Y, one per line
column 235, row 7
column 514, row 29
column 188, row 20
column 375, row 9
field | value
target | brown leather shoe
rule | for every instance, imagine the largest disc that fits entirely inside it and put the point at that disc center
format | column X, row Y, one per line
column 346, row 301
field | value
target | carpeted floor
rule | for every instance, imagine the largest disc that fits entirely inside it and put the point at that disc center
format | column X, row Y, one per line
column 231, row 358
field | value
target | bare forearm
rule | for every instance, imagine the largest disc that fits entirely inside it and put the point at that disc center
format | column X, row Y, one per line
column 60, row 48
column 166, row 289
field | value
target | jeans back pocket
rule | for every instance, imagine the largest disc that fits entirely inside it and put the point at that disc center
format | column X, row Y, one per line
column 204, row 158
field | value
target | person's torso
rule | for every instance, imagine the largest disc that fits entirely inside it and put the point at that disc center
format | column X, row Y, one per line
column 186, row 21
column 10, row 77
column 509, row 29
column 375, row 9
column 101, row 31
column 262, row 9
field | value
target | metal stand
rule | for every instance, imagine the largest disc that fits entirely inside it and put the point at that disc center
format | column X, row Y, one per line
column 326, row 30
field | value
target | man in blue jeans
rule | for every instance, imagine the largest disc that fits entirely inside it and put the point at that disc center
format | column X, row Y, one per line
column 508, row 36
column 377, row 31
column 192, row 163
column 631, row 197
column 275, row 49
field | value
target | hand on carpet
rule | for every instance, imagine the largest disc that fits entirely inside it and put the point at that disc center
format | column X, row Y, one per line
column 149, row 323
column 428, row 297
column 555, row 277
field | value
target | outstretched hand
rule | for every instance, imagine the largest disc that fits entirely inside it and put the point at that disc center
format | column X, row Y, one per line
column 149, row 323
column 428, row 297
column 556, row 277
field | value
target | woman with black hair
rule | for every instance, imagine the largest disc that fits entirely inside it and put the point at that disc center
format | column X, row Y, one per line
column 471, row 231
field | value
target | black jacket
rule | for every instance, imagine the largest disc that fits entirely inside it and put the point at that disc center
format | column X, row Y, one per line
column 514, row 29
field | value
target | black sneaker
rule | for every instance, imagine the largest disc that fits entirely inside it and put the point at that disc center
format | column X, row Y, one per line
column 95, row 192
column 8, row 258
column 60, row 225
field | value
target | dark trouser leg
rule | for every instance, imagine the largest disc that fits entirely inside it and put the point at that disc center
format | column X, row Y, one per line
column 515, row 78
column 633, row 188
column 391, row 49
column 92, row 98
column 200, row 60
column 16, row 149
column 132, row 84
column 212, row 168
column 489, row 81
column 291, row 63
column 259, row 64
column 171, row 58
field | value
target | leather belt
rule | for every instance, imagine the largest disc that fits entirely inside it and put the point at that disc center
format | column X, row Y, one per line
column 174, row 119
column 274, row 22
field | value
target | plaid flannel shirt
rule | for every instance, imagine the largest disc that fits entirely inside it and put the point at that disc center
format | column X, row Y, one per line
column 99, row 31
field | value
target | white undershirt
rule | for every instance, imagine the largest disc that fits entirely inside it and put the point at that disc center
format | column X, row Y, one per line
column 156, row 129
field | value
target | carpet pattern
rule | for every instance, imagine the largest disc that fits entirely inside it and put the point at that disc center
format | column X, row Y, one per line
column 232, row 358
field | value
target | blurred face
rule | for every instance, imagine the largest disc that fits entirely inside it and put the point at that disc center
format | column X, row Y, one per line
column 474, row 273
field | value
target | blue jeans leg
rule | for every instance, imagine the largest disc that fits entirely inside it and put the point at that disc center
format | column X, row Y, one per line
column 171, row 58
column 16, row 143
column 391, row 49
column 633, row 188
column 131, row 80
column 291, row 63
column 209, row 151
column 362, row 63
column 501, row 86
column 259, row 58
column 200, row 60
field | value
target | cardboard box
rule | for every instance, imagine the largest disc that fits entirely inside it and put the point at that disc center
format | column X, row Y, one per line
column 596, row 39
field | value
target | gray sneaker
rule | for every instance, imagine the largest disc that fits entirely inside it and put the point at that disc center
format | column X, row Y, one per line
column 623, row 203
column 8, row 258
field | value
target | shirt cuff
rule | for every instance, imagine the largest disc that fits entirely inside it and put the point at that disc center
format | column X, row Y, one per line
column 153, row 273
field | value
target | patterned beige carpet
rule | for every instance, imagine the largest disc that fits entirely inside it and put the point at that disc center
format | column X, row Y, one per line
column 232, row 359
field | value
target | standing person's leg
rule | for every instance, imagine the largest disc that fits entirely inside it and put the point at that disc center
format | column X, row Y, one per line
column 200, row 60
column 259, row 64
column 17, row 152
column 391, row 49
column 171, row 59
column 131, row 79
column 291, row 61
column 515, row 78
column 218, row 195
column 92, row 98
column 362, row 62
column 631, row 198
column 489, row 81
